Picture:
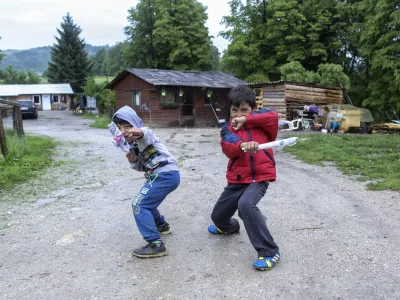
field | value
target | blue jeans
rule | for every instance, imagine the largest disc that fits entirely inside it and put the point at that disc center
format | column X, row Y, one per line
column 145, row 204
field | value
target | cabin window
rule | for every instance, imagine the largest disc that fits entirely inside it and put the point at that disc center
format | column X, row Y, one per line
column 36, row 99
column 55, row 98
column 136, row 98
column 170, row 100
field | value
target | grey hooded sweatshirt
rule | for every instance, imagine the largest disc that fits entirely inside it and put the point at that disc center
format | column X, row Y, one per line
column 152, row 154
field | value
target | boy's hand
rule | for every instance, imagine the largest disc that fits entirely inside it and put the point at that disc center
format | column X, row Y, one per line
column 238, row 122
column 132, row 158
column 133, row 134
column 250, row 146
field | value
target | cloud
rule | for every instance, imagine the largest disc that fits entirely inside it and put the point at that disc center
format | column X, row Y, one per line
column 26, row 24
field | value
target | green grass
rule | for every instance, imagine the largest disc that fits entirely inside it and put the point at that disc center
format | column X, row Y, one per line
column 100, row 122
column 103, row 79
column 372, row 157
column 27, row 158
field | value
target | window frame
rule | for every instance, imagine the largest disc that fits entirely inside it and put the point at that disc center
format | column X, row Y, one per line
column 57, row 97
column 135, row 98
column 168, row 103
column 40, row 99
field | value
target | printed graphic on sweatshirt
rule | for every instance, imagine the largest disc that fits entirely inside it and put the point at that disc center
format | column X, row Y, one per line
column 149, row 157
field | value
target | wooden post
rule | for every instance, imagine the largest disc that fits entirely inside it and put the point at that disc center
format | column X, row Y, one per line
column 14, row 118
column 20, row 124
column 3, row 144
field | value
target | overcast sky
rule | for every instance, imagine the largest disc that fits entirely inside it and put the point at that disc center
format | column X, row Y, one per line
column 26, row 24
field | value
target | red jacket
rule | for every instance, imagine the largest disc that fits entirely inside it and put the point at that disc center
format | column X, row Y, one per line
column 244, row 167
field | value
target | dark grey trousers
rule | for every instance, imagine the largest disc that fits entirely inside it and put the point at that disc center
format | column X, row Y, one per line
column 244, row 197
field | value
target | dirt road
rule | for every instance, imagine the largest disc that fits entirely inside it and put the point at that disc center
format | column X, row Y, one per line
column 69, row 233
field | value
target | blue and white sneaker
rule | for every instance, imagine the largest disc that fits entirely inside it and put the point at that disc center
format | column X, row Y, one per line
column 267, row 263
column 214, row 229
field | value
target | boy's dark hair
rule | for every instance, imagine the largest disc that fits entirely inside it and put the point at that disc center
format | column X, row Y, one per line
column 119, row 121
column 242, row 94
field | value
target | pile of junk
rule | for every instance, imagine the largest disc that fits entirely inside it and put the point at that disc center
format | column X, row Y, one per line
column 334, row 118
column 392, row 124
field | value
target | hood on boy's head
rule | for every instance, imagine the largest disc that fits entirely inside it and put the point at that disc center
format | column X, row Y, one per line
column 126, row 113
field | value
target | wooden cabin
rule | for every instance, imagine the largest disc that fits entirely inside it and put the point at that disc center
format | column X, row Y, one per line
column 287, row 97
column 175, row 98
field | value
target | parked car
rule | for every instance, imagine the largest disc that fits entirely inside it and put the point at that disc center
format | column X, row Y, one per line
column 28, row 109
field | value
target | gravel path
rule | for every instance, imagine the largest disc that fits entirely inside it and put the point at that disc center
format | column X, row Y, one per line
column 69, row 233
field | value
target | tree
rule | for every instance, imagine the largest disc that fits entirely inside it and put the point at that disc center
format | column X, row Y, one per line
column 381, row 48
column 328, row 74
column 1, row 54
column 114, row 62
column 216, row 58
column 168, row 35
column 11, row 76
column 266, row 34
column 32, row 77
column 324, row 41
column 294, row 71
column 140, row 50
column 97, row 62
column 247, row 54
column 104, row 98
column 69, row 60
column 332, row 75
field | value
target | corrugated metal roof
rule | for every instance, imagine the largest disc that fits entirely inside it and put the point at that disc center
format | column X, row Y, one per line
column 206, row 79
column 32, row 89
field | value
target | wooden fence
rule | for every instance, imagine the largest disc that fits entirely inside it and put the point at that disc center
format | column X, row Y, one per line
column 17, row 122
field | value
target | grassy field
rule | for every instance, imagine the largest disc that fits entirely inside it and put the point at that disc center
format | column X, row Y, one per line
column 374, row 158
column 27, row 158
column 100, row 122
column 103, row 79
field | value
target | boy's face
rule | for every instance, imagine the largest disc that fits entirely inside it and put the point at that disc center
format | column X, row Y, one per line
column 124, row 128
column 243, row 110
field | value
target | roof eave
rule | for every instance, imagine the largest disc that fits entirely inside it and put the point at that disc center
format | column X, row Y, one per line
column 116, row 79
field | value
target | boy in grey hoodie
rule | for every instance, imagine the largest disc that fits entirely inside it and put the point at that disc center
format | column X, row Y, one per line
column 148, row 154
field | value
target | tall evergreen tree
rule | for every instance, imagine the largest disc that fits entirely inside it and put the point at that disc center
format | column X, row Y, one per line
column 168, row 35
column 69, row 60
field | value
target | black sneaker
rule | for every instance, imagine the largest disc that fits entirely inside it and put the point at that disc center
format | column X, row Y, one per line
column 151, row 250
column 164, row 229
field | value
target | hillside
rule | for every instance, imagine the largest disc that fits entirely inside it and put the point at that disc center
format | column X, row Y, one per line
column 35, row 58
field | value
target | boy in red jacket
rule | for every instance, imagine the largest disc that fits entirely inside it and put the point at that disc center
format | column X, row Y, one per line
column 248, row 174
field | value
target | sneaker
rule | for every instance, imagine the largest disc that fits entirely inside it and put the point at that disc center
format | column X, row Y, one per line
column 267, row 263
column 215, row 230
column 164, row 229
column 152, row 249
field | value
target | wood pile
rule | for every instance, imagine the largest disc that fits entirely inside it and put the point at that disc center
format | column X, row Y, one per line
column 259, row 98
column 286, row 97
column 274, row 98
column 315, row 95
